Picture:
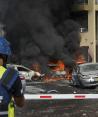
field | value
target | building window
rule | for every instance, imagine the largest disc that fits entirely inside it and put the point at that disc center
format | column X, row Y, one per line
column 96, row 1
column 82, row 19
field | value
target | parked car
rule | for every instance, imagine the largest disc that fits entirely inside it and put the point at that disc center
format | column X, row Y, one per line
column 26, row 72
column 87, row 75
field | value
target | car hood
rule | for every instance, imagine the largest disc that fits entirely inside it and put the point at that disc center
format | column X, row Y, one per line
column 90, row 73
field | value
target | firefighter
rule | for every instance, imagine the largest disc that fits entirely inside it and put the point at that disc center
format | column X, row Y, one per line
column 10, row 83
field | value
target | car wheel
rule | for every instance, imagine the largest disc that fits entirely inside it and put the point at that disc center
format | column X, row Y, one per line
column 53, row 92
column 92, row 87
column 35, row 78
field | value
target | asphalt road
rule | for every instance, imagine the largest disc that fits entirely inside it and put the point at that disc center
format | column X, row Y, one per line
column 58, row 108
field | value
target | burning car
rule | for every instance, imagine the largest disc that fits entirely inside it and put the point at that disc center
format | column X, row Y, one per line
column 87, row 75
column 26, row 72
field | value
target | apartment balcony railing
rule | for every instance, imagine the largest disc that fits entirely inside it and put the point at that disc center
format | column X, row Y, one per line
column 83, row 30
column 81, row 5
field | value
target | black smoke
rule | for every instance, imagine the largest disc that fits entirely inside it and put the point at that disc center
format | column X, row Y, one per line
column 40, row 30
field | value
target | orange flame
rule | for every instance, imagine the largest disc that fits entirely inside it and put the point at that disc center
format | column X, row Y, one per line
column 56, row 65
column 80, row 59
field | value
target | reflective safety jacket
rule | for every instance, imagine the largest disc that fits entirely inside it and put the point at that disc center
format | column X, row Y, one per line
column 7, row 79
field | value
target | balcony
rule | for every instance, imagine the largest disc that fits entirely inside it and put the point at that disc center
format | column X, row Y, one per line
column 81, row 5
column 79, row 2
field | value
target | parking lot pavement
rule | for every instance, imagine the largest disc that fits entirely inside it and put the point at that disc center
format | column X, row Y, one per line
column 59, row 87
column 59, row 108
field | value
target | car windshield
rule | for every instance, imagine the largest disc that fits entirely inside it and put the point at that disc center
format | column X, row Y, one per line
column 20, row 68
column 91, row 67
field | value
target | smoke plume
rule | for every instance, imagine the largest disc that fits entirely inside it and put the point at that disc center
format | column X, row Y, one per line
column 40, row 30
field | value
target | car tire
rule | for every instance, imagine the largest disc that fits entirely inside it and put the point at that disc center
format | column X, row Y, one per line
column 92, row 87
column 35, row 79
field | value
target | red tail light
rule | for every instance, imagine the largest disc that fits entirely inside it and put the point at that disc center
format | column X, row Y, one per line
column 22, row 77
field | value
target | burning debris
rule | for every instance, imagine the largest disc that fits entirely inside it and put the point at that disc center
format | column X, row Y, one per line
column 41, row 30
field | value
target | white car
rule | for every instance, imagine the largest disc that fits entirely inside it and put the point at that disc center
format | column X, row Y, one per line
column 26, row 72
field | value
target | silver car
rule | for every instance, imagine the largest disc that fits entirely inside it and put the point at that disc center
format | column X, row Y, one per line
column 87, row 75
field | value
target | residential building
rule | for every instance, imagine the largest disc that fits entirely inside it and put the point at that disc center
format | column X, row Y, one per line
column 85, row 12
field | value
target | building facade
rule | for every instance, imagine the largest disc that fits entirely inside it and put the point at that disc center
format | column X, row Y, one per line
column 86, row 13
